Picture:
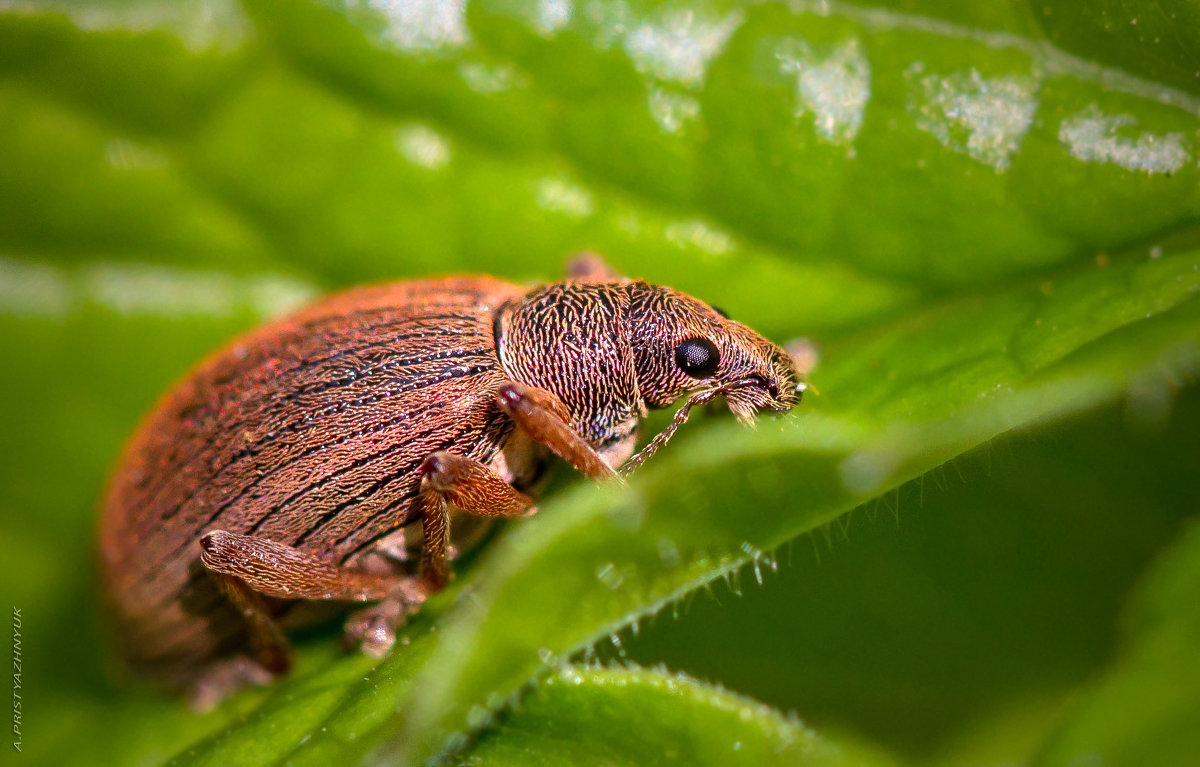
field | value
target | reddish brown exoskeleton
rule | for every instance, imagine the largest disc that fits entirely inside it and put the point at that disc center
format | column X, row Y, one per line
column 289, row 467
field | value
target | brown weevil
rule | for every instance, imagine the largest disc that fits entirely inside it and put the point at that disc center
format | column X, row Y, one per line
column 301, row 465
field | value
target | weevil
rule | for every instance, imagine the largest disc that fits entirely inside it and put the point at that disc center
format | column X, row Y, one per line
column 306, row 464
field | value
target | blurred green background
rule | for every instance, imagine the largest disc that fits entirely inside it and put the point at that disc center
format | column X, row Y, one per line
column 973, row 545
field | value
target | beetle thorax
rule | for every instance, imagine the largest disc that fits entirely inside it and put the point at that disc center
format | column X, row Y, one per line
column 572, row 339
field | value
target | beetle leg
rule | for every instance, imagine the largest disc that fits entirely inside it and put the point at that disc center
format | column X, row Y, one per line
column 591, row 267
column 454, row 480
column 269, row 653
column 373, row 629
column 268, row 647
column 248, row 567
column 278, row 570
column 544, row 417
column 223, row 678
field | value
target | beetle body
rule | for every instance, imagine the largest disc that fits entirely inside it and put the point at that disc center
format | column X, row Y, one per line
column 321, row 436
column 308, row 432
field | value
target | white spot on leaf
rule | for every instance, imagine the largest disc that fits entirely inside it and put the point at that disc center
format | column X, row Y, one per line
column 483, row 78
column 128, row 155
column 672, row 110
column 37, row 290
column 695, row 233
column 563, row 196
column 833, row 86
column 984, row 118
column 552, row 15
column 424, row 25
column 153, row 290
column 33, row 290
column 1093, row 136
column 270, row 295
column 611, row 20
column 421, row 145
column 203, row 24
column 679, row 45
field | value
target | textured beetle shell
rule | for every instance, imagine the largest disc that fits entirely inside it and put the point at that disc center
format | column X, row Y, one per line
column 308, row 432
column 591, row 370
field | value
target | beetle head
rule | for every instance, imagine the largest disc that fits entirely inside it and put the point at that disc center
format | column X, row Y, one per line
column 683, row 346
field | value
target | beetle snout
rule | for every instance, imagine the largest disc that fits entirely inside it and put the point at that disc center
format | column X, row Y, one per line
column 773, row 390
column 786, row 385
column 770, row 386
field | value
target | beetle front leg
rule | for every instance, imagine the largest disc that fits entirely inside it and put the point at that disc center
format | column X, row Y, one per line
column 544, row 418
column 454, row 480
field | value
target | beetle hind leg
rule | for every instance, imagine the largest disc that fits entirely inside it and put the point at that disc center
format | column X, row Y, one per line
column 223, row 678
column 269, row 655
column 278, row 570
column 247, row 569
column 373, row 629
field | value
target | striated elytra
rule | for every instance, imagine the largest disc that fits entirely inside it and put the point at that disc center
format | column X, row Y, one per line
column 307, row 463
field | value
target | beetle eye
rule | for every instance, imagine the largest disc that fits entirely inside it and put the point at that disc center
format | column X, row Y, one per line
column 698, row 357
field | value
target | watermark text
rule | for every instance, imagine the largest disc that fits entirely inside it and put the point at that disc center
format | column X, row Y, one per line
column 17, row 698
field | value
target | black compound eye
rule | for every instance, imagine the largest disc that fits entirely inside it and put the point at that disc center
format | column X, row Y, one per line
column 698, row 357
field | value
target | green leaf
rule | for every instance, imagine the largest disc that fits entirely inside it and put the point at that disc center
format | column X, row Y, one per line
column 981, row 231
column 618, row 556
column 955, row 620
column 1146, row 707
column 633, row 716
column 1153, row 40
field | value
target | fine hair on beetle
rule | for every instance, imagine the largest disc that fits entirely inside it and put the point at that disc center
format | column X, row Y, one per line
column 623, row 347
column 346, row 452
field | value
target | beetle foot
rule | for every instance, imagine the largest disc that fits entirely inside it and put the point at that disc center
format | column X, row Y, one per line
column 224, row 678
column 373, row 629
column 591, row 266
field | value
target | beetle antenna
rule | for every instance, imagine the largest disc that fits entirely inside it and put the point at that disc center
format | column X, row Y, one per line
column 680, row 418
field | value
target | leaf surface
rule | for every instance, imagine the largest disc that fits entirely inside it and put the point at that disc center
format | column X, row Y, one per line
column 978, row 218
